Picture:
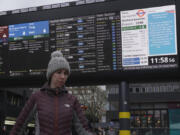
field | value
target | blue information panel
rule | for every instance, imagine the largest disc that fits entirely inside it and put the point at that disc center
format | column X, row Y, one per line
column 38, row 28
column 28, row 30
column 162, row 33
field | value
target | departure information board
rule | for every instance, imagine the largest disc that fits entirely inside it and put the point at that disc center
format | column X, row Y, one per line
column 149, row 38
column 94, row 43
column 90, row 44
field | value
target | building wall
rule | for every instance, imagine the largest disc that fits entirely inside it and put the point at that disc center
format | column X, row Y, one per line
column 150, row 104
column 12, row 101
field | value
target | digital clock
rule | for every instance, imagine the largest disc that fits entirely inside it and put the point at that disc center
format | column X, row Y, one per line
column 162, row 60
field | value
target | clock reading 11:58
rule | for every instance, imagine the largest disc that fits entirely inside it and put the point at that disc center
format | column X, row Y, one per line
column 155, row 60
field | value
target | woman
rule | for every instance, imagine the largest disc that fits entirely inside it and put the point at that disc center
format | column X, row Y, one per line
column 56, row 110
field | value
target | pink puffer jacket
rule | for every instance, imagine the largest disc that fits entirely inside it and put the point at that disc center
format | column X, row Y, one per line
column 56, row 113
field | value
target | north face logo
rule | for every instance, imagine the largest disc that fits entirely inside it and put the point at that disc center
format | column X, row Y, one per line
column 67, row 105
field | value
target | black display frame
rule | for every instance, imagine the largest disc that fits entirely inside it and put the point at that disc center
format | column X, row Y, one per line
column 90, row 9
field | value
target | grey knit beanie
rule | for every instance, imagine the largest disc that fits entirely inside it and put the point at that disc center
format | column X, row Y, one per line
column 57, row 62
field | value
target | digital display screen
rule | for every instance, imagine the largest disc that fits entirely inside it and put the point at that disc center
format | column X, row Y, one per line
column 28, row 30
column 100, row 42
column 149, row 38
column 89, row 43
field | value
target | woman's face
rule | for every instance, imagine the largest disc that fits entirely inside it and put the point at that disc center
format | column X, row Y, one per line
column 59, row 78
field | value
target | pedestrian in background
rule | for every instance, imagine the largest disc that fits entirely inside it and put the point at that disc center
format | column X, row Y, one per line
column 111, row 130
column 56, row 110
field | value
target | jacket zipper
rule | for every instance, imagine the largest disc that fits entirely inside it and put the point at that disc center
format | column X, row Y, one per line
column 56, row 115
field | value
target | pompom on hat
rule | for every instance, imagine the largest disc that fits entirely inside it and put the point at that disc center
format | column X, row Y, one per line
column 57, row 62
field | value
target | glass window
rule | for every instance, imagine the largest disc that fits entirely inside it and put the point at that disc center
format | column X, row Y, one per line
column 157, row 89
column 137, row 122
column 143, row 90
column 157, row 118
column 147, row 106
column 150, row 118
column 143, row 119
column 164, row 118
column 160, row 106
column 149, row 90
column 137, row 90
